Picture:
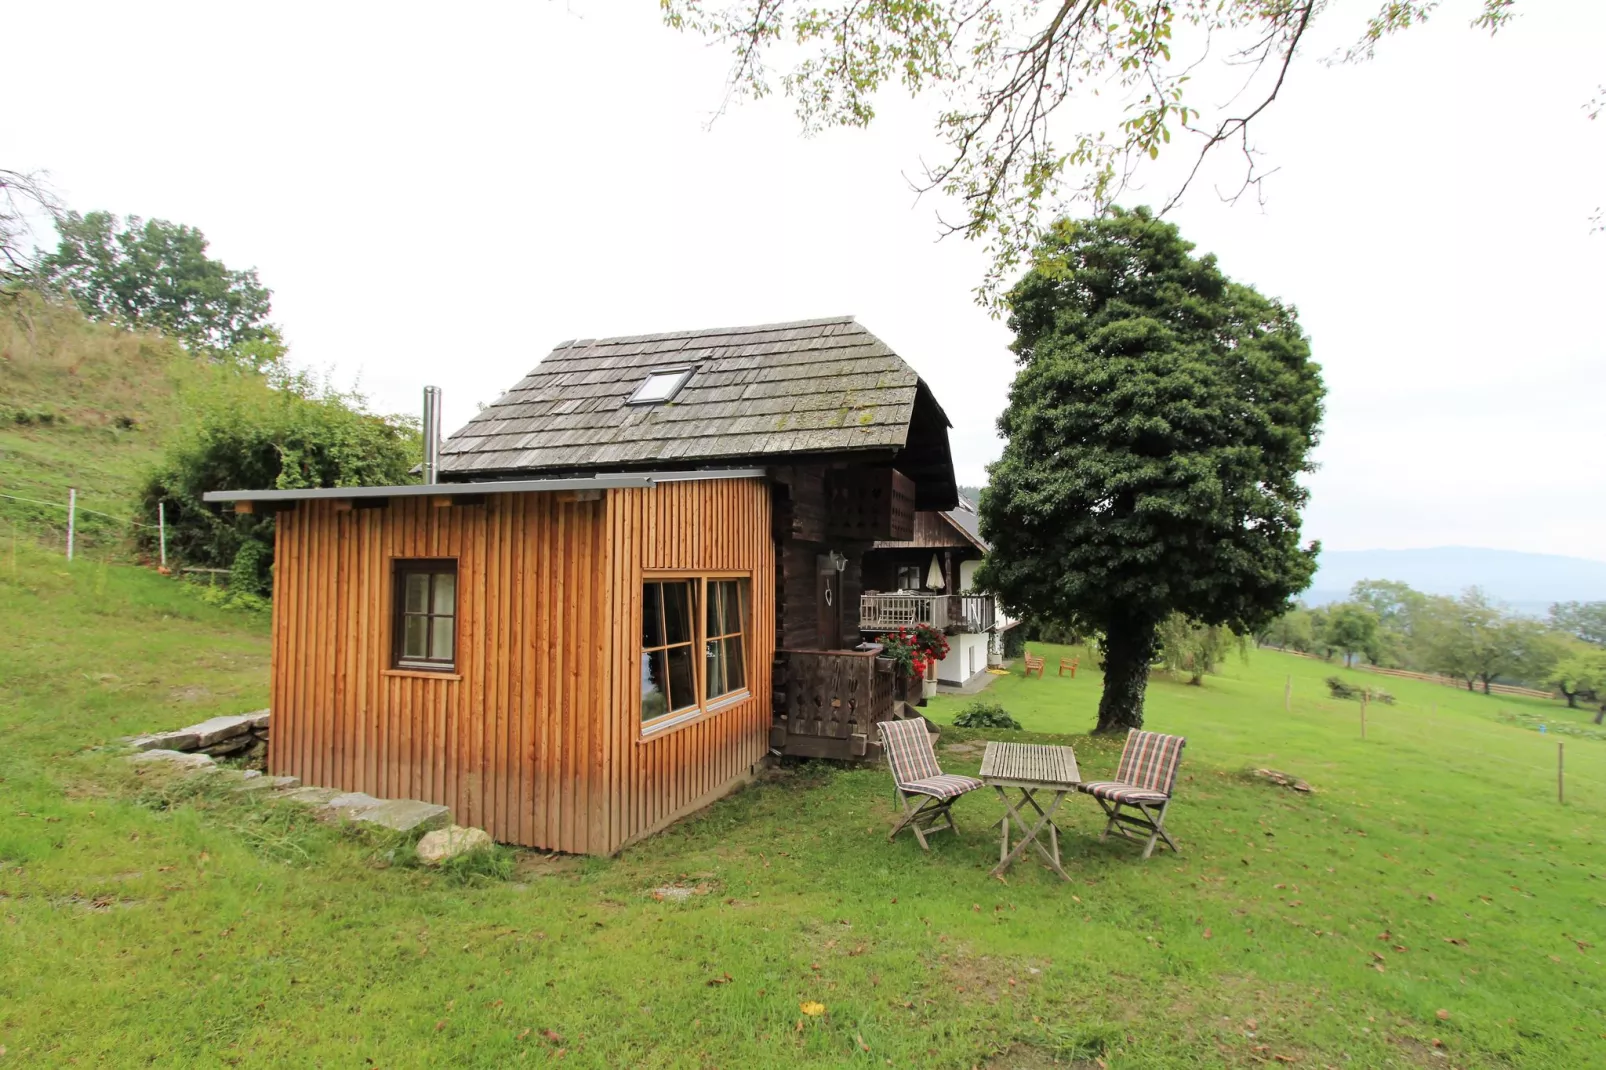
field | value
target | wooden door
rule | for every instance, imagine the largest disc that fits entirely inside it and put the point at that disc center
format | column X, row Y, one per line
column 829, row 602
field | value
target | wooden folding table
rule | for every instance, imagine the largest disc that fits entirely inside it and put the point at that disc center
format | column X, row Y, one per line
column 1030, row 768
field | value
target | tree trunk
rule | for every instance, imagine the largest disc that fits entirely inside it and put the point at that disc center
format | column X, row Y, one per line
column 1129, row 648
column 1600, row 715
column 1486, row 690
column 1572, row 699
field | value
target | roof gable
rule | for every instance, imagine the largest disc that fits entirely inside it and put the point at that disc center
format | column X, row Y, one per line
column 812, row 387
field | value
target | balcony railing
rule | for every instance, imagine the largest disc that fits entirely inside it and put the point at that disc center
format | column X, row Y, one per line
column 947, row 612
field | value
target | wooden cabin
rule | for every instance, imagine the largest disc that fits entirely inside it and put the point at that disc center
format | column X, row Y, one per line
column 632, row 583
column 929, row 578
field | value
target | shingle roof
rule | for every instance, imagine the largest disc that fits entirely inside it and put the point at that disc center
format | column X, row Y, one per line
column 814, row 386
column 965, row 519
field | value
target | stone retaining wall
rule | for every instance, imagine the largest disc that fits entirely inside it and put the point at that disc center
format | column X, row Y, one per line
column 243, row 735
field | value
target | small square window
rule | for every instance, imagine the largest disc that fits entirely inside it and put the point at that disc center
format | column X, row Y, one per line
column 424, row 628
column 660, row 385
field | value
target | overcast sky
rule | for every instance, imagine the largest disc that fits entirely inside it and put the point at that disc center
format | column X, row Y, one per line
column 438, row 194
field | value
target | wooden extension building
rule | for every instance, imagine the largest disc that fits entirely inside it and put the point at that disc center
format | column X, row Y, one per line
column 640, row 573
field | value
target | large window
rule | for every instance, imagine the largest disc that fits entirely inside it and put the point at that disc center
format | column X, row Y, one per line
column 424, row 627
column 692, row 645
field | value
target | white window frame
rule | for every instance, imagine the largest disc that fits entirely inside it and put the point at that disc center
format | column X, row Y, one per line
column 684, row 372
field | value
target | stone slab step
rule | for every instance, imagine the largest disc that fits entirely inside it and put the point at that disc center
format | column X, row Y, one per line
column 351, row 804
column 177, row 759
column 404, row 815
column 269, row 783
column 209, row 733
column 215, row 730
column 310, row 796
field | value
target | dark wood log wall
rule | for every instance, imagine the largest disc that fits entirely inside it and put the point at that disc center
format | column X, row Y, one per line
column 536, row 735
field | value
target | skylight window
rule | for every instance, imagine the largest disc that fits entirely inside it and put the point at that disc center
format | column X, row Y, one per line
column 660, row 385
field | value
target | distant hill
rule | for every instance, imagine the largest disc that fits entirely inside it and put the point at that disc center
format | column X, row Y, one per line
column 1529, row 582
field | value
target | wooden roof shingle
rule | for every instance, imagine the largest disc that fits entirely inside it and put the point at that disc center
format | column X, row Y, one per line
column 815, row 386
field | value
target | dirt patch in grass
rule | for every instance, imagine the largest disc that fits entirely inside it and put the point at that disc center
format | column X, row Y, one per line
column 537, row 865
column 1418, row 1052
column 987, row 978
column 1031, row 1057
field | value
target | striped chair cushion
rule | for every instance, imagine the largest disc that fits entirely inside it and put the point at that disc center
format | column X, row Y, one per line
column 909, row 750
column 1150, row 761
column 1115, row 791
column 942, row 786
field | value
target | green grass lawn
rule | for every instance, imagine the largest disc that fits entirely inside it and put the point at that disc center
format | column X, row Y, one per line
column 1431, row 871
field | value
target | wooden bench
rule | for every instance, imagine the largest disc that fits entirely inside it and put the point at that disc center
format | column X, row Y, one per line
column 1068, row 663
column 1035, row 663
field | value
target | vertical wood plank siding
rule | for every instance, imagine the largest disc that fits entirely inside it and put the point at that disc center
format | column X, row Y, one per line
column 718, row 525
column 536, row 740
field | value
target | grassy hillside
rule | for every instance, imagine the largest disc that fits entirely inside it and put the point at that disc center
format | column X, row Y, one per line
column 83, row 405
column 1432, row 871
column 1431, row 904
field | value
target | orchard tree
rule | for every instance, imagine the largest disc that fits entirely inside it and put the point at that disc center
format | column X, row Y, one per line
column 1044, row 103
column 1154, row 438
column 1195, row 649
column 1580, row 672
column 1353, row 628
column 1478, row 641
column 1586, row 620
column 1291, row 631
column 156, row 274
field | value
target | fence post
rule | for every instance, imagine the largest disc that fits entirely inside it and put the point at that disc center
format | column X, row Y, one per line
column 72, row 513
column 1561, row 796
column 1364, row 696
column 1288, row 693
column 161, row 529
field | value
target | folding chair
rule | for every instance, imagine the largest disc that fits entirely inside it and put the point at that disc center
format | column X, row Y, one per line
column 923, row 791
column 1142, row 783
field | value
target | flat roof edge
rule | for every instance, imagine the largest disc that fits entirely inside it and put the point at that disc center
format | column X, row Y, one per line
column 493, row 486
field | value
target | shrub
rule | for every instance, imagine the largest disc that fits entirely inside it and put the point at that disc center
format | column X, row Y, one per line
column 1340, row 689
column 981, row 714
column 248, row 431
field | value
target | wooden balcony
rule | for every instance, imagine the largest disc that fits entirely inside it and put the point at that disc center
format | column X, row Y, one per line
column 951, row 613
column 827, row 703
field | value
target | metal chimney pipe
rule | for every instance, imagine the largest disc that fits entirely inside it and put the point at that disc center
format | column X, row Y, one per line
column 432, row 434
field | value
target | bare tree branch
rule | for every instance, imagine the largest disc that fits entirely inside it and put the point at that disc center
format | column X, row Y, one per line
column 1010, row 73
column 22, row 195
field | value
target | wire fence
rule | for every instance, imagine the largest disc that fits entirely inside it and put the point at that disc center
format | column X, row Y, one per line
column 1431, row 734
column 71, row 511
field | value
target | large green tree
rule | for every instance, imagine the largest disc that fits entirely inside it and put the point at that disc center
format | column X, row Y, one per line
column 1023, row 85
column 156, row 274
column 1155, row 434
